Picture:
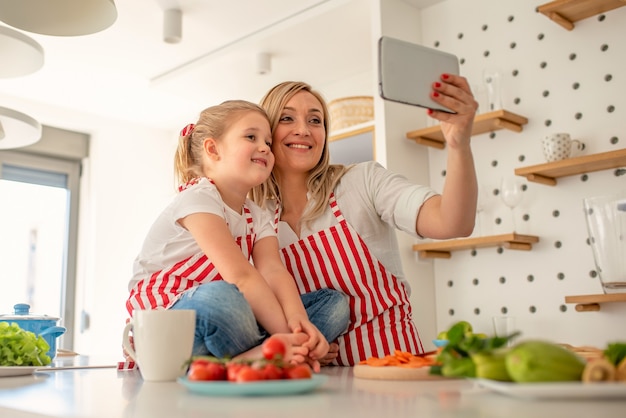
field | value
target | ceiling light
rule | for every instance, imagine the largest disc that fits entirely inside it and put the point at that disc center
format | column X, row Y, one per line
column 263, row 63
column 17, row 129
column 59, row 17
column 19, row 54
column 172, row 26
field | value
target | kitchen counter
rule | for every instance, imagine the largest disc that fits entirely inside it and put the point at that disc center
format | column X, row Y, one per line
column 107, row 392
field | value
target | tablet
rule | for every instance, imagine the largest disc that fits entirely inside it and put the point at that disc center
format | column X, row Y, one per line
column 406, row 72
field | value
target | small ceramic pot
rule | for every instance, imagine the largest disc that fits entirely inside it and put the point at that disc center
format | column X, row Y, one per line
column 44, row 325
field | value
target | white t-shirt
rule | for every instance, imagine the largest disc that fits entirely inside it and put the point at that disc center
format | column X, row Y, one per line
column 375, row 202
column 168, row 242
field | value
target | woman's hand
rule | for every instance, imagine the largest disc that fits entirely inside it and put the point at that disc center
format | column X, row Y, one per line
column 454, row 92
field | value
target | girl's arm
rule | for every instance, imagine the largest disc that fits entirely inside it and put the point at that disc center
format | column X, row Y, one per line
column 216, row 241
column 453, row 213
column 267, row 261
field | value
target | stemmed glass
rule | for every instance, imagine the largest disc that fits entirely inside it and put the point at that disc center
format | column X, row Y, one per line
column 481, row 205
column 511, row 194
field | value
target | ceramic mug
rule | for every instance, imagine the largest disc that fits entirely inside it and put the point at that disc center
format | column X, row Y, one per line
column 560, row 146
column 162, row 342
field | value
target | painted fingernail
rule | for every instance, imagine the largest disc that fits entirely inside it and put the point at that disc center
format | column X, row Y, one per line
column 437, row 84
column 430, row 111
column 445, row 76
column 435, row 94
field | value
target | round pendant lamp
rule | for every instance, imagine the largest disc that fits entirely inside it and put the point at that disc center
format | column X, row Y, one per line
column 17, row 129
column 59, row 17
column 19, row 54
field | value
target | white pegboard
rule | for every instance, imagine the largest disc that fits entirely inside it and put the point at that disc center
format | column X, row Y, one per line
column 562, row 81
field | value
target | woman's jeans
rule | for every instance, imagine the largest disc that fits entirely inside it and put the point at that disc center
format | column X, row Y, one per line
column 226, row 326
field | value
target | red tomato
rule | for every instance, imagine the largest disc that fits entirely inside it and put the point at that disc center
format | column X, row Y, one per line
column 273, row 347
column 216, row 371
column 249, row 374
column 198, row 371
column 202, row 369
column 232, row 370
column 299, row 371
column 272, row 372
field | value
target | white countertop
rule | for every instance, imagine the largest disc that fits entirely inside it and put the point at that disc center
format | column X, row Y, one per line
column 107, row 392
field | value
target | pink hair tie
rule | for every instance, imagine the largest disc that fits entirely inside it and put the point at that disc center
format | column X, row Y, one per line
column 187, row 129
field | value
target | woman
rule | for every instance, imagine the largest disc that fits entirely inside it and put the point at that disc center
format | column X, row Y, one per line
column 336, row 224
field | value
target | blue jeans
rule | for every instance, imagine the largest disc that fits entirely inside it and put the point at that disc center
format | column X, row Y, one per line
column 226, row 326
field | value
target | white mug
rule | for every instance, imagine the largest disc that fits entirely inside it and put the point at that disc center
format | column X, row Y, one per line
column 560, row 146
column 162, row 342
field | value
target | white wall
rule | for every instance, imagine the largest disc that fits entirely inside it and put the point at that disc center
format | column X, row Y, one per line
column 126, row 181
column 560, row 264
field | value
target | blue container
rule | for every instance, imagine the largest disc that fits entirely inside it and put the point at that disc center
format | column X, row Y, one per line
column 43, row 325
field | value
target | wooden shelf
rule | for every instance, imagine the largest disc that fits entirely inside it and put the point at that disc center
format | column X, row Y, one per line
column 588, row 303
column 568, row 12
column 548, row 173
column 443, row 249
column 486, row 122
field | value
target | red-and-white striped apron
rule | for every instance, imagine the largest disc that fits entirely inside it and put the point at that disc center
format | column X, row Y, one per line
column 164, row 287
column 337, row 258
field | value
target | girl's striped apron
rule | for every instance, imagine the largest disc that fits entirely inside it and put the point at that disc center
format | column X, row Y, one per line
column 164, row 287
column 337, row 258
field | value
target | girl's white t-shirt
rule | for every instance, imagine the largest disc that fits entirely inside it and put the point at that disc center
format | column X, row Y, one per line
column 167, row 242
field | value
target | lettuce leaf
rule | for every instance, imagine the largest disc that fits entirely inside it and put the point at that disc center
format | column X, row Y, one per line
column 22, row 348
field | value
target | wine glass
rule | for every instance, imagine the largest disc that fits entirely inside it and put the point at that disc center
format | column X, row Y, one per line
column 481, row 205
column 511, row 194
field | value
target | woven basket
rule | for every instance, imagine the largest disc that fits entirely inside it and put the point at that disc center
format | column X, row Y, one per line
column 349, row 111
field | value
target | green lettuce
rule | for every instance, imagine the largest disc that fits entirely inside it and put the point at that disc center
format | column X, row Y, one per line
column 22, row 348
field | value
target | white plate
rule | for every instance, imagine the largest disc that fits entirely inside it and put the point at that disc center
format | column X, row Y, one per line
column 557, row 390
column 18, row 370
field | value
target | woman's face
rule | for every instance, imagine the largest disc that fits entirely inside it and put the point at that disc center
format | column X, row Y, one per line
column 299, row 135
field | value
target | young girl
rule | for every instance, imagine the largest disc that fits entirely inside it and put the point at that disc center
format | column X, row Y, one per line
column 215, row 251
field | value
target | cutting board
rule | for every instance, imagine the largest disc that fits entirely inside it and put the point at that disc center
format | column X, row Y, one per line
column 363, row 371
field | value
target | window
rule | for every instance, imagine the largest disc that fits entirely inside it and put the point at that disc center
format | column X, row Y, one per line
column 39, row 192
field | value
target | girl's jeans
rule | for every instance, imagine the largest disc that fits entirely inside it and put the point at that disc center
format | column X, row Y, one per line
column 226, row 326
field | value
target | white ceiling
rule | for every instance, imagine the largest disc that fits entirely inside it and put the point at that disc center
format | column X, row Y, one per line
column 128, row 72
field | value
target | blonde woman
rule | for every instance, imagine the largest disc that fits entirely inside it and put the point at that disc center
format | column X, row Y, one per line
column 336, row 225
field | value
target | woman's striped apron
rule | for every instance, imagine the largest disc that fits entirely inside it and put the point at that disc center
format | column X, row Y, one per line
column 337, row 258
column 164, row 287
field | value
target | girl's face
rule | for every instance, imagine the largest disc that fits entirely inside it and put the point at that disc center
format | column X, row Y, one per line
column 244, row 153
column 299, row 135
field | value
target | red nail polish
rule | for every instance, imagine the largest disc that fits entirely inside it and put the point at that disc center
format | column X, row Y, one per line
column 430, row 111
column 435, row 94
column 437, row 84
column 445, row 76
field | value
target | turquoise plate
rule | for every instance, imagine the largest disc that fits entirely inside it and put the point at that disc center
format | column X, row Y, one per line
column 260, row 388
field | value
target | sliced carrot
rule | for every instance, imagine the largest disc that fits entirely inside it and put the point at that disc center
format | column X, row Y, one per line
column 400, row 359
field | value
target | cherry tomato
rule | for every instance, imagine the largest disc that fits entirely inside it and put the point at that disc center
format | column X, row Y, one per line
column 216, row 371
column 198, row 371
column 232, row 370
column 249, row 374
column 299, row 371
column 272, row 372
column 273, row 348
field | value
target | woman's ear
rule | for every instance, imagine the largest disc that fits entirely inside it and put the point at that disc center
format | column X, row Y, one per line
column 211, row 149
